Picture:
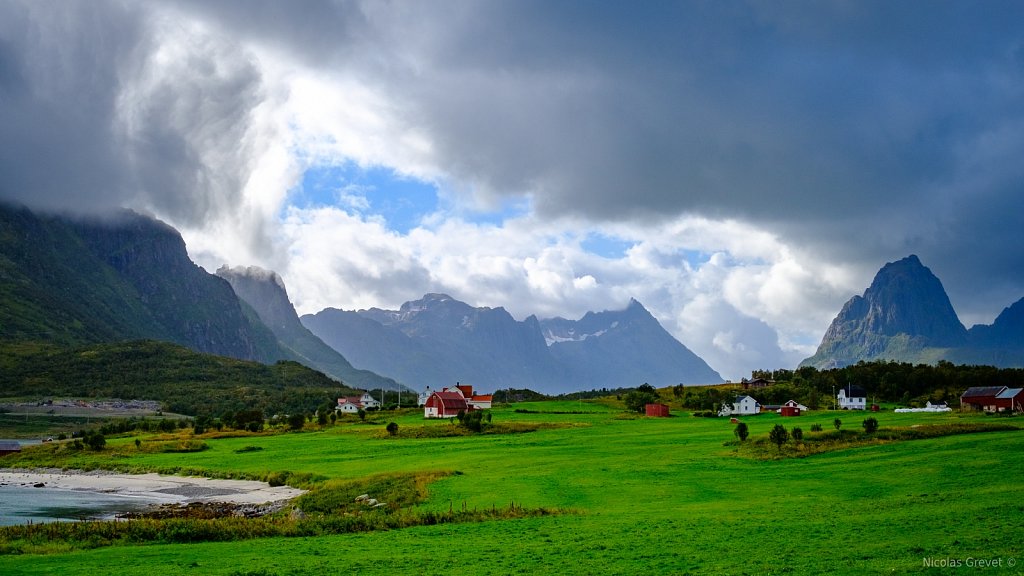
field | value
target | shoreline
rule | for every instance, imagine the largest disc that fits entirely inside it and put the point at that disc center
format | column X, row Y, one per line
column 161, row 488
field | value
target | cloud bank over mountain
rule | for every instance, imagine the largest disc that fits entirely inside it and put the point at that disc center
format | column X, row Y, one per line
column 740, row 167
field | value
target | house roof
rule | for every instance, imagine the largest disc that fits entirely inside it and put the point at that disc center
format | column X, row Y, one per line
column 451, row 400
column 976, row 391
column 1009, row 393
column 483, row 398
column 854, row 391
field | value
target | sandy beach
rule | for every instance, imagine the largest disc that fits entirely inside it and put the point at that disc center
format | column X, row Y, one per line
column 165, row 489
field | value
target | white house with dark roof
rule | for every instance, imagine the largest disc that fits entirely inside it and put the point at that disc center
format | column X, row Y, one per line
column 852, row 397
column 744, row 405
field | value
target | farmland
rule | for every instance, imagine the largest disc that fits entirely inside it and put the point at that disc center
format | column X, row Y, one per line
column 641, row 495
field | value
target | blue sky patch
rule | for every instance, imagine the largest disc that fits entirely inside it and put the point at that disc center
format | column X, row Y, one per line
column 400, row 200
column 606, row 246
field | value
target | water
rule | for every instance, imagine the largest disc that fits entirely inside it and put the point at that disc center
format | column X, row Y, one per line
column 24, row 504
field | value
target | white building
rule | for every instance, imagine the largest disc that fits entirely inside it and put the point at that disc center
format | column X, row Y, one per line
column 852, row 397
column 368, row 401
column 743, row 405
column 352, row 404
column 424, row 396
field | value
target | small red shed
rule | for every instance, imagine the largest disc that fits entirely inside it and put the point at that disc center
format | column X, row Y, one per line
column 658, row 410
column 789, row 411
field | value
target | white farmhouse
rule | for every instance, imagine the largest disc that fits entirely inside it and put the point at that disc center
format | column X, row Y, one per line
column 353, row 404
column 743, row 405
column 852, row 397
column 368, row 401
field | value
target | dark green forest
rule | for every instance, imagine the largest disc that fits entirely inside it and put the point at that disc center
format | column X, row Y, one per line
column 894, row 382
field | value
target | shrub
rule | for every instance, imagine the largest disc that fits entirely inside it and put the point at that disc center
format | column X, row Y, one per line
column 474, row 421
column 797, row 434
column 296, row 421
column 837, row 423
column 815, row 427
column 778, row 435
column 870, row 425
column 741, row 431
column 392, row 428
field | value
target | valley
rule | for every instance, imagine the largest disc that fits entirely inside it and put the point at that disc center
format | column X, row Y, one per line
column 659, row 495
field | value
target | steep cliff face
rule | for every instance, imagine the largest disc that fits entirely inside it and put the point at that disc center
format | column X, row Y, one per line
column 265, row 292
column 905, row 315
column 198, row 309
column 76, row 281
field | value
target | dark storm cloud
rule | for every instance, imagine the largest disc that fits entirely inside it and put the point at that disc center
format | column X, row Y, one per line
column 97, row 115
column 59, row 80
column 863, row 130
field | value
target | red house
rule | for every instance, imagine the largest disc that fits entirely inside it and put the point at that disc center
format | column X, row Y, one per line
column 657, row 410
column 445, row 404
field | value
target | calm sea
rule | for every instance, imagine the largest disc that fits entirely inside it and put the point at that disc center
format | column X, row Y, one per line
column 24, row 504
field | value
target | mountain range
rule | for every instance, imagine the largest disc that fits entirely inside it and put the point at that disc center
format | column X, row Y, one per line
column 80, row 281
column 438, row 340
column 905, row 315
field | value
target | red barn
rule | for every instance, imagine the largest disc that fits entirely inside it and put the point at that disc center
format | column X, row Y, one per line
column 445, row 404
column 658, row 410
column 789, row 411
column 982, row 398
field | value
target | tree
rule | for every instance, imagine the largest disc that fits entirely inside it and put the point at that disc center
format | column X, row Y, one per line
column 95, row 441
column 870, row 425
column 741, row 431
column 296, row 421
column 837, row 423
column 778, row 436
column 645, row 394
column 392, row 428
column 797, row 434
column 362, row 414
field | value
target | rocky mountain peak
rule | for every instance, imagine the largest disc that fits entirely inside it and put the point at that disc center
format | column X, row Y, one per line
column 904, row 311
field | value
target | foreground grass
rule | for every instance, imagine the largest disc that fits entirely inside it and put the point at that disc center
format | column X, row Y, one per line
column 657, row 496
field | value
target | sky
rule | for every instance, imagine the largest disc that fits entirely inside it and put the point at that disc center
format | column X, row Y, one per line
column 740, row 168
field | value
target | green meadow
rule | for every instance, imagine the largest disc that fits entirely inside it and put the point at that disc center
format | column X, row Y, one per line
column 639, row 495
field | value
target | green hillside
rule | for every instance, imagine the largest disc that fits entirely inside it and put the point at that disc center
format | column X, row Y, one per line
column 184, row 381
column 80, row 281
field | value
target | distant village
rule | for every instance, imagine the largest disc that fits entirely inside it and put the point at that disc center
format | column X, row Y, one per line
column 461, row 398
column 444, row 403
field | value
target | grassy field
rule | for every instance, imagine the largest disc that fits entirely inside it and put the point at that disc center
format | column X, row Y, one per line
column 659, row 496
